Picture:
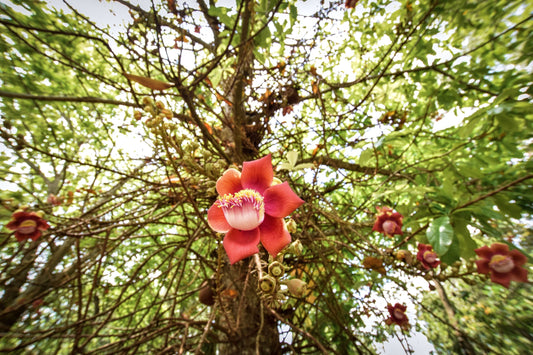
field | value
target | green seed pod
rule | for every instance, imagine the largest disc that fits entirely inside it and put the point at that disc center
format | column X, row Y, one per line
column 267, row 284
column 276, row 269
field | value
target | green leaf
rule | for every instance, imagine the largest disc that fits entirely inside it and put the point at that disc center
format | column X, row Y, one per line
column 440, row 234
column 293, row 14
column 465, row 242
column 365, row 156
column 454, row 252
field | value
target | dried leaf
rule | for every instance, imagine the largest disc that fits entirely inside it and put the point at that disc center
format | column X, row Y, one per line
column 153, row 84
column 314, row 85
column 209, row 129
column 172, row 6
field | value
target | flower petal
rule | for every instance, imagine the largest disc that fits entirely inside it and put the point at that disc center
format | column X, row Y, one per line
column 274, row 235
column 519, row 274
column 500, row 248
column 229, row 182
column 257, row 174
column 484, row 252
column 42, row 225
column 519, row 259
column 483, row 266
column 217, row 220
column 281, row 201
column 241, row 244
column 35, row 235
column 499, row 278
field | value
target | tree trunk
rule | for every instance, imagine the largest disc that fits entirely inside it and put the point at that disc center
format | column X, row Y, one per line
column 250, row 330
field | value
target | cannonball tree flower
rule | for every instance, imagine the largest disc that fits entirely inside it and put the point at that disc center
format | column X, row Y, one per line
column 503, row 265
column 388, row 222
column 250, row 209
column 427, row 256
column 27, row 225
column 397, row 315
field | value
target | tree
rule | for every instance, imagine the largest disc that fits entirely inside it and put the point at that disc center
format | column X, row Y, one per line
column 351, row 101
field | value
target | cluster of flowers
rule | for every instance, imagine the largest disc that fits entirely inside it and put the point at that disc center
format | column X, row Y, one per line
column 252, row 206
column 502, row 264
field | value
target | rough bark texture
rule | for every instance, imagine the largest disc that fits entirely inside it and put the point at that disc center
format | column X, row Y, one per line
column 250, row 329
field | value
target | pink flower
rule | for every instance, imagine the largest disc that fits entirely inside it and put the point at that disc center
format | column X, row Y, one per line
column 503, row 265
column 250, row 209
column 27, row 225
column 397, row 315
column 427, row 256
column 388, row 222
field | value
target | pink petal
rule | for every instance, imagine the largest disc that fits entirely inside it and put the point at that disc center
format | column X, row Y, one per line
column 274, row 235
column 216, row 219
column 241, row 244
column 483, row 266
column 502, row 279
column 519, row 259
column 519, row 274
column 281, row 201
column 229, row 182
column 257, row 174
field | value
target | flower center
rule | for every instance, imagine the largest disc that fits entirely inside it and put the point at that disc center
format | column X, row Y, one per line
column 398, row 314
column 389, row 226
column 244, row 210
column 27, row 227
column 430, row 256
column 501, row 263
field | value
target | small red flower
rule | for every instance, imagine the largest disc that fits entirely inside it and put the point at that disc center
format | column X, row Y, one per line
column 388, row 222
column 251, row 208
column 397, row 315
column 427, row 256
column 503, row 265
column 27, row 225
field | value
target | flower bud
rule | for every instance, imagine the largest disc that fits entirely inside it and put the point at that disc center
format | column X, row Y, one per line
column 147, row 100
column 276, row 269
column 267, row 284
column 291, row 225
column 296, row 247
column 159, row 105
column 167, row 113
column 148, row 108
column 296, row 287
column 275, row 181
column 137, row 115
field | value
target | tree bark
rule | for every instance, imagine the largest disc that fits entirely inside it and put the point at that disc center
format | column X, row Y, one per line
column 250, row 329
